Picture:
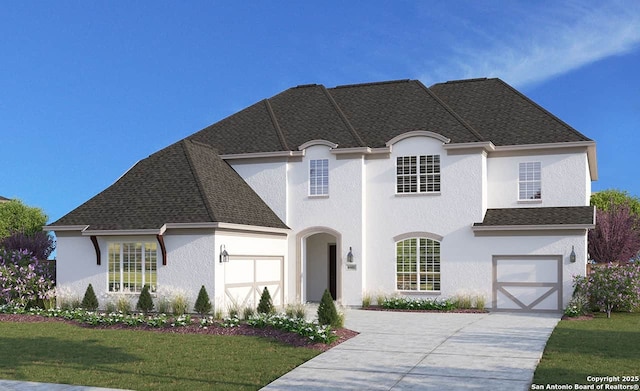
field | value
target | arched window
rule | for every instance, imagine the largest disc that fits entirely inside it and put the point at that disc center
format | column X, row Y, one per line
column 418, row 265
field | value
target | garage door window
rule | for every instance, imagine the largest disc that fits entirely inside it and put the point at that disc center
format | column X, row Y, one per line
column 418, row 265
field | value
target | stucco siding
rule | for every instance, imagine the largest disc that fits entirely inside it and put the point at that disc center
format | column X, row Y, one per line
column 341, row 211
column 448, row 214
column 76, row 268
column 268, row 179
column 564, row 179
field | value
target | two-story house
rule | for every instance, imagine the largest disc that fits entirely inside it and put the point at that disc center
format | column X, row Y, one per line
column 380, row 188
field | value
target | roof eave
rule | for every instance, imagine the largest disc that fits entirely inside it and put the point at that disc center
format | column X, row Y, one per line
column 546, row 227
column 261, row 155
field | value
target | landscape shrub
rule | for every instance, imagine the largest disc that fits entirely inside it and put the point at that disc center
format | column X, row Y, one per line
column 203, row 304
column 327, row 313
column 611, row 287
column 89, row 301
column 179, row 304
column 266, row 304
column 145, row 302
column 123, row 304
column 24, row 280
column 408, row 303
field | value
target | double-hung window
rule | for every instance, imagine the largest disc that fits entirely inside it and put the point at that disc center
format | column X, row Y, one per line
column 418, row 174
column 418, row 265
column 132, row 265
column 319, row 177
column 529, row 181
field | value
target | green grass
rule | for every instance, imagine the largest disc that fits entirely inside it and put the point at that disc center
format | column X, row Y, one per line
column 141, row 360
column 597, row 347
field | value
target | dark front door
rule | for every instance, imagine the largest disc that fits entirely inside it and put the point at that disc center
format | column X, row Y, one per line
column 332, row 270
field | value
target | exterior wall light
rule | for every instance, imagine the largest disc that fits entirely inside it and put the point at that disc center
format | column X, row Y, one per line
column 224, row 255
column 572, row 256
column 350, row 256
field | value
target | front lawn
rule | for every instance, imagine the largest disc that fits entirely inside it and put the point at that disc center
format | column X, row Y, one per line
column 578, row 349
column 142, row 360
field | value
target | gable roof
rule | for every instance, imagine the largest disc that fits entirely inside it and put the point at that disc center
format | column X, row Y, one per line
column 549, row 216
column 186, row 182
column 4, row 199
column 502, row 114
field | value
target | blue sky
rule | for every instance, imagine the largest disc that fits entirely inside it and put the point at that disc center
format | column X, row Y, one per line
column 89, row 88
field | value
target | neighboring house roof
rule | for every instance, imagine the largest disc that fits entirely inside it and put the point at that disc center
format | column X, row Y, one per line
column 554, row 216
column 503, row 115
column 186, row 182
column 4, row 199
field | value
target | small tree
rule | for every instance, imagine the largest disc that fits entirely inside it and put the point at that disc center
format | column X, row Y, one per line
column 612, row 287
column 16, row 216
column 327, row 313
column 203, row 304
column 616, row 236
column 40, row 244
column 145, row 302
column 89, row 301
column 266, row 304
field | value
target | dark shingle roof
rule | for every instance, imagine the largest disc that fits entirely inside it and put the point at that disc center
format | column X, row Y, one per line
column 186, row 182
column 351, row 116
column 4, row 199
column 503, row 115
column 571, row 215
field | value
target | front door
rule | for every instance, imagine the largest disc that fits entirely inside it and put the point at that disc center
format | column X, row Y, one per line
column 332, row 271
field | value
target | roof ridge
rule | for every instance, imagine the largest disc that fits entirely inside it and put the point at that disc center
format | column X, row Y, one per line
column 451, row 111
column 304, row 86
column 276, row 125
column 344, row 118
column 196, row 175
column 537, row 106
column 467, row 80
column 372, row 83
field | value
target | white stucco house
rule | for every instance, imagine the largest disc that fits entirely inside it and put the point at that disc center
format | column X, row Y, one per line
column 390, row 187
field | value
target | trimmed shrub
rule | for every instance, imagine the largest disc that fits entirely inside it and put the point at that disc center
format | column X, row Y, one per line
column 89, row 301
column 145, row 302
column 203, row 304
column 266, row 304
column 327, row 313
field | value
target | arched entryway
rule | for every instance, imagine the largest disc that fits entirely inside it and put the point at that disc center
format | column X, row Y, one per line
column 318, row 265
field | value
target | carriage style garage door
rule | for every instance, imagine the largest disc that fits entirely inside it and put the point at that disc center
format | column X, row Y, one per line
column 527, row 282
column 245, row 277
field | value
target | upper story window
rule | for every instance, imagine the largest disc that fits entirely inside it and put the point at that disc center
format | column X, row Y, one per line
column 132, row 266
column 418, row 265
column 418, row 174
column 529, row 181
column 319, row 177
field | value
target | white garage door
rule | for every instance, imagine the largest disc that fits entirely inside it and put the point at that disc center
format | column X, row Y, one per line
column 246, row 277
column 527, row 283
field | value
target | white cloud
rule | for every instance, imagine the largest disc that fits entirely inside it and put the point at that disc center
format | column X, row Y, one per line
column 530, row 45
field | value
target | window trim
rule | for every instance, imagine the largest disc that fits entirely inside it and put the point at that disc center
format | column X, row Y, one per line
column 537, row 165
column 318, row 174
column 419, row 169
column 436, row 273
column 148, row 264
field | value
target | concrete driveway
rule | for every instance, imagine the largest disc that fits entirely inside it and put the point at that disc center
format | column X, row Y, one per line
column 428, row 351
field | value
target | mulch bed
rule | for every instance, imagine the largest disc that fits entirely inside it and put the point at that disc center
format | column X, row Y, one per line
column 582, row 317
column 285, row 337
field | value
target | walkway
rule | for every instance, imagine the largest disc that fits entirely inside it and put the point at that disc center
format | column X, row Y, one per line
column 428, row 351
